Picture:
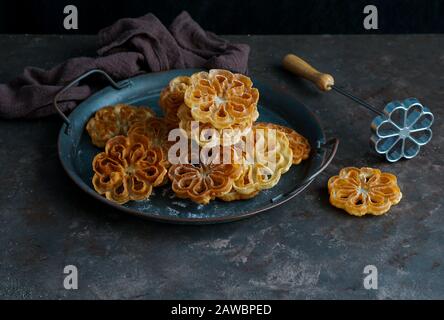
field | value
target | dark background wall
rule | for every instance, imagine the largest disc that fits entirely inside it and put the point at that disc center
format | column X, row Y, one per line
column 230, row 16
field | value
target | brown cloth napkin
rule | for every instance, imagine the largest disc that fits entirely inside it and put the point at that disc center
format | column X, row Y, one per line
column 129, row 47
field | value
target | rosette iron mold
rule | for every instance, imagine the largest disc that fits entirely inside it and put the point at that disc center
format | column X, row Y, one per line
column 402, row 129
column 398, row 131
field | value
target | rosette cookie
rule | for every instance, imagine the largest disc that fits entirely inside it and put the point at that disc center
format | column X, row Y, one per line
column 365, row 190
column 156, row 130
column 128, row 169
column 208, row 136
column 266, row 155
column 222, row 99
column 298, row 144
column 112, row 121
column 172, row 97
column 212, row 177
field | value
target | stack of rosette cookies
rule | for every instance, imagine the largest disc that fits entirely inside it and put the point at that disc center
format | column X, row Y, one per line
column 208, row 144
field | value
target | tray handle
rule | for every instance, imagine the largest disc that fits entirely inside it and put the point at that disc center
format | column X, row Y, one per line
column 118, row 86
column 334, row 142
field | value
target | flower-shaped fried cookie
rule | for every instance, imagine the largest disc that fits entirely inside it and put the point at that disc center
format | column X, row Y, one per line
column 266, row 155
column 298, row 144
column 365, row 190
column 204, row 181
column 222, row 98
column 128, row 169
column 156, row 130
column 208, row 136
column 112, row 121
column 172, row 97
column 403, row 129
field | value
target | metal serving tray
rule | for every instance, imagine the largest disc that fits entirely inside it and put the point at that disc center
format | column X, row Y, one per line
column 76, row 150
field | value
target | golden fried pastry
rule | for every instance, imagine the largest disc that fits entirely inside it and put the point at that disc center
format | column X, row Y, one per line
column 266, row 155
column 156, row 130
column 172, row 97
column 365, row 190
column 208, row 136
column 206, row 180
column 298, row 144
column 222, row 99
column 244, row 187
column 112, row 121
column 128, row 169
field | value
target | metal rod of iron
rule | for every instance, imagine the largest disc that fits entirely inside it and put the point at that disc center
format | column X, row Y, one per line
column 323, row 81
column 357, row 100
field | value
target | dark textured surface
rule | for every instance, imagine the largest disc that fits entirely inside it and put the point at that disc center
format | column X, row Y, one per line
column 304, row 249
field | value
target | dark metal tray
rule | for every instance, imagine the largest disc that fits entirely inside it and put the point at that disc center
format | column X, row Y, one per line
column 76, row 150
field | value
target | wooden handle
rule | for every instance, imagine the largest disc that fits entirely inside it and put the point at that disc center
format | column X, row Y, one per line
column 299, row 67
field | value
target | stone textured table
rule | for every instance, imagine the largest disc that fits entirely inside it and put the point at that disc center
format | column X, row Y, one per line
column 304, row 249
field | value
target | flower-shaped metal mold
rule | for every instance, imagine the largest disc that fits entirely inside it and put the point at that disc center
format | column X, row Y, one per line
column 402, row 129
